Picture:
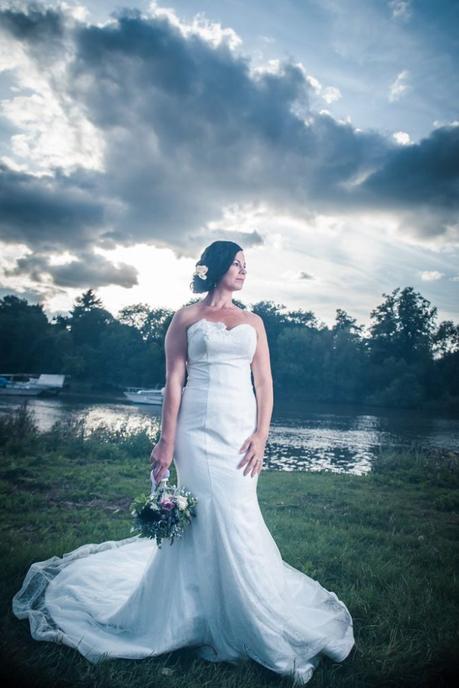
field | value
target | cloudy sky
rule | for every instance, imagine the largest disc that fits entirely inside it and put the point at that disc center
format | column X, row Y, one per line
column 321, row 135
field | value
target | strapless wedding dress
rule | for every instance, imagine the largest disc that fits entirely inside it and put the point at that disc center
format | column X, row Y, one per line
column 223, row 587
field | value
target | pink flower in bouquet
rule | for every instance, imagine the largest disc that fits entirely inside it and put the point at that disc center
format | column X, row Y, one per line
column 167, row 503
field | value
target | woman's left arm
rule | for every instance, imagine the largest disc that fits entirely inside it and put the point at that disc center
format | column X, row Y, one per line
column 263, row 383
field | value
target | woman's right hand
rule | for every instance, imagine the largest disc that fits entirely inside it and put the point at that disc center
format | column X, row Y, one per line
column 161, row 458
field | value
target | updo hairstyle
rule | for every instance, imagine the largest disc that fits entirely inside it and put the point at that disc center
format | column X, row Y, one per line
column 218, row 257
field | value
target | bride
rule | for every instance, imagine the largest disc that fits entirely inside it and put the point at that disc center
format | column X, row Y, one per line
column 223, row 587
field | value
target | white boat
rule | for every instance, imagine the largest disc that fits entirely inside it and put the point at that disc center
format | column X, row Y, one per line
column 29, row 389
column 32, row 386
column 51, row 381
column 145, row 396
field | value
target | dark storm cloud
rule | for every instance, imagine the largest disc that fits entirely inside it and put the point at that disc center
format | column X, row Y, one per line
column 421, row 182
column 36, row 25
column 39, row 28
column 427, row 173
column 32, row 295
column 187, row 129
column 89, row 270
column 48, row 213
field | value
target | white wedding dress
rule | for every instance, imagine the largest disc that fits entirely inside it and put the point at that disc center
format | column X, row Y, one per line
column 223, row 587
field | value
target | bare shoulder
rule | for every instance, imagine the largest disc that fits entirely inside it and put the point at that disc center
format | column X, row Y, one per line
column 185, row 316
column 257, row 322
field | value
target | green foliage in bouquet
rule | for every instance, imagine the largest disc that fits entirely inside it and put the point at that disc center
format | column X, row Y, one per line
column 164, row 514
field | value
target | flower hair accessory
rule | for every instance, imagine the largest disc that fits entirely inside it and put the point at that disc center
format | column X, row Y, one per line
column 201, row 271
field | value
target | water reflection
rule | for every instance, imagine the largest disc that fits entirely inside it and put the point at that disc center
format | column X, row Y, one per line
column 48, row 411
column 302, row 437
column 312, row 449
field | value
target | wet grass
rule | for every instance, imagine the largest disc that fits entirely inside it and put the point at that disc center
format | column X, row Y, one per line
column 384, row 542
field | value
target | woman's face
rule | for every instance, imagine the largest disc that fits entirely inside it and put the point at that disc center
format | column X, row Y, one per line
column 235, row 275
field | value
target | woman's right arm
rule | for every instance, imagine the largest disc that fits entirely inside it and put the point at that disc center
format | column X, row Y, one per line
column 175, row 346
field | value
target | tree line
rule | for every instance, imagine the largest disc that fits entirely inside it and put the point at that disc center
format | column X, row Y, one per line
column 404, row 358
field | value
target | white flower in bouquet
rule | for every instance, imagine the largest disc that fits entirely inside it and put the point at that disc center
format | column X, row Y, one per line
column 182, row 502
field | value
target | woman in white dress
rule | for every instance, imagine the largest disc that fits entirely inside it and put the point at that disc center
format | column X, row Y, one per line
column 223, row 587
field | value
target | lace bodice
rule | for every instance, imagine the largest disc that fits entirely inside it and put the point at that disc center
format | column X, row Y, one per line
column 220, row 355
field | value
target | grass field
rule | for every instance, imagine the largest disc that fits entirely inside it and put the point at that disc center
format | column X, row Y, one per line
column 384, row 542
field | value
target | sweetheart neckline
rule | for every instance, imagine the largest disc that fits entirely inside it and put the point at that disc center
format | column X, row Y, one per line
column 220, row 322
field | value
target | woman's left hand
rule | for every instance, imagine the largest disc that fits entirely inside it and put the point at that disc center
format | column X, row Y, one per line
column 254, row 446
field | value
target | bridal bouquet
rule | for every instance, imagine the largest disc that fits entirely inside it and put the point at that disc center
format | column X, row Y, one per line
column 165, row 513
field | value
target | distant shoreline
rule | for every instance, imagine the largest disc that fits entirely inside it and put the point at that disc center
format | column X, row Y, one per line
column 280, row 398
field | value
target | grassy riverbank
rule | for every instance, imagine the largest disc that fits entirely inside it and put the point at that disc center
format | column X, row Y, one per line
column 385, row 543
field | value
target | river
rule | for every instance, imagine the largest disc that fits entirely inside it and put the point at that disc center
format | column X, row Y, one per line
column 306, row 436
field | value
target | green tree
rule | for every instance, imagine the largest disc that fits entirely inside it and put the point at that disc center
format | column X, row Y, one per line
column 88, row 320
column 401, row 347
column 152, row 323
column 446, row 338
column 301, row 362
column 345, row 360
column 403, row 327
column 24, row 333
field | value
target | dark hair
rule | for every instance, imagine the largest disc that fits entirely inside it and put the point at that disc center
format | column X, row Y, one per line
column 218, row 257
